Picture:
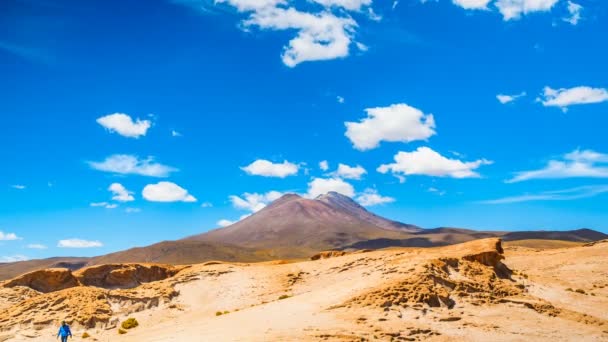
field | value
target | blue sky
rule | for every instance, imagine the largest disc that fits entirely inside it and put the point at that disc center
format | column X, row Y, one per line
column 127, row 123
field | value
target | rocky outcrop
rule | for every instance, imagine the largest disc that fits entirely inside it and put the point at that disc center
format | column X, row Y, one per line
column 87, row 298
column 49, row 280
column 470, row 270
column 124, row 276
column 327, row 255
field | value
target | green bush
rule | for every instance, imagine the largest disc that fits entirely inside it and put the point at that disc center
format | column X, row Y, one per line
column 122, row 332
column 284, row 297
column 130, row 323
column 219, row 313
column 86, row 335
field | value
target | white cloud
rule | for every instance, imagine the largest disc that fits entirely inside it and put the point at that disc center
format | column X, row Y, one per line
column 225, row 223
column 504, row 99
column 18, row 186
column 8, row 236
column 427, row 162
column 436, row 191
column 558, row 195
column 340, row 99
column 575, row 13
column 267, row 168
column 514, row 9
column 120, row 193
column 36, row 246
column 576, row 164
column 350, row 172
column 78, row 243
column 253, row 201
column 13, row 258
column 104, row 205
column 166, row 192
column 206, row 205
column 175, row 133
column 567, row 97
column 371, row 197
column 324, row 165
column 351, row 5
column 396, row 123
column 124, row 125
column 361, row 47
column 130, row 164
column 132, row 210
column 472, row 4
column 321, row 186
column 319, row 34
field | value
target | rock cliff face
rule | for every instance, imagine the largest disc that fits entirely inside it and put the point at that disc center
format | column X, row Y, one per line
column 124, row 276
column 87, row 297
column 112, row 276
column 49, row 280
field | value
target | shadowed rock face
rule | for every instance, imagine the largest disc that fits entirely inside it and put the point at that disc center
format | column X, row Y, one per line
column 123, row 276
column 112, row 276
column 48, row 280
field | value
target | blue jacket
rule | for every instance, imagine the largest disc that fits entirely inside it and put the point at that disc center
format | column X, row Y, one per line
column 64, row 331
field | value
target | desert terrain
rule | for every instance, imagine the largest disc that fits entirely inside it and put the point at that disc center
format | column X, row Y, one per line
column 476, row 291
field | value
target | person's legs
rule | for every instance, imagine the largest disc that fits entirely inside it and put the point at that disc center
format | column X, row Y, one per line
column 64, row 339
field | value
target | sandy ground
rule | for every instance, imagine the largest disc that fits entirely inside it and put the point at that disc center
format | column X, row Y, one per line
column 319, row 304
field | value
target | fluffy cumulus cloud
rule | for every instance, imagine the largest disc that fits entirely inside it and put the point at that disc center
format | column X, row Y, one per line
column 104, row 205
column 129, row 164
column 124, row 125
column 504, row 99
column 575, row 11
column 396, row 123
column 18, row 186
column 253, row 201
column 576, row 164
column 371, row 197
column 514, row 9
column 320, row 186
column 321, row 36
column 564, row 97
column 350, row 172
column 166, row 192
column 120, row 193
column 472, row 4
column 322, row 32
column 267, row 168
column 78, row 243
column 427, row 162
column 8, row 236
column 557, row 195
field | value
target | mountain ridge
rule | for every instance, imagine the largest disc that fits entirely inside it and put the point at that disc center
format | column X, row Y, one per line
column 294, row 227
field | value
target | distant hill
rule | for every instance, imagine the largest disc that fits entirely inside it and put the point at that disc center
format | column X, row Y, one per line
column 10, row 270
column 294, row 227
column 579, row 235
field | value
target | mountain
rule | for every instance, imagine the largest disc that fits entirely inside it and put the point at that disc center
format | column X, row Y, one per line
column 294, row 227
column 337, row 200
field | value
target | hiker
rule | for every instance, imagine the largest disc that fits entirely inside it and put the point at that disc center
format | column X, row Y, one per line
column 64, row 332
